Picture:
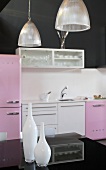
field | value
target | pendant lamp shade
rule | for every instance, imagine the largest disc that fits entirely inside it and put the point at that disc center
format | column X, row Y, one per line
column 72, row 16
column 29, row 35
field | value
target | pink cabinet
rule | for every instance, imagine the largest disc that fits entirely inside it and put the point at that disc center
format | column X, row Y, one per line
column 10, row 72
column 10, row 95
column 95, row 119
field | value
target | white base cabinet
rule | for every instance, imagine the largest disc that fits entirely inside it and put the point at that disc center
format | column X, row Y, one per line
column 71, row 117
column 46, row 113
column 62, row 117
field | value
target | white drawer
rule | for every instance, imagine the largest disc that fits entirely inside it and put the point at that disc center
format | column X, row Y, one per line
column 47, row 119
column 50, row 130
column 40, row 107
column 50, row 118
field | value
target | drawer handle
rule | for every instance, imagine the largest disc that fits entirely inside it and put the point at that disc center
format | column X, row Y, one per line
column 98, row 105
column 13, row 113
column 43, row 114
column 13, row 101
column 72, row 105
column 42, row 107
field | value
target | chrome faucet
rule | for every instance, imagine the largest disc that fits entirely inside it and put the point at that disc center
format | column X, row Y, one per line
column 62, row 94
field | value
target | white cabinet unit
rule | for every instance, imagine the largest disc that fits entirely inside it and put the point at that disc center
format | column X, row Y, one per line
column 51, row 58
column 46, row 113
column 71, row 117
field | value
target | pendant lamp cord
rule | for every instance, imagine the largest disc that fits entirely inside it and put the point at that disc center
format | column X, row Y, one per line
column 62, row 35
column 29, row 17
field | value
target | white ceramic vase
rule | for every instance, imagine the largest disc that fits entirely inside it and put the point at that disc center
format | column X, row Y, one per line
column 30, row 136
column 42, row 150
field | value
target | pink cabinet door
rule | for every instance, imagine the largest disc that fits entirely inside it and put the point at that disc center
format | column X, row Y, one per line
column 10, row 71
column 95, row 119
column 10, row 122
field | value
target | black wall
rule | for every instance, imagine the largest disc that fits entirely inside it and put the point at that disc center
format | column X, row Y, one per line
column 43, row 14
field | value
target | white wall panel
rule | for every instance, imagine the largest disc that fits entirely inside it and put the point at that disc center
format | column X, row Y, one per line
column 81, row 82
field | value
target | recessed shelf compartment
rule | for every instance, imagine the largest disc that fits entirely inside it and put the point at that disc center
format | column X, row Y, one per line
column 51, row 58
column 70, row 152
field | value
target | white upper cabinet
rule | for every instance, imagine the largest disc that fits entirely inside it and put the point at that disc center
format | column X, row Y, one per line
column 51, row 58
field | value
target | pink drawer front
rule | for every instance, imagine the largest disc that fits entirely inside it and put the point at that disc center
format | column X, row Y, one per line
column 10, row 122
column 95, row 120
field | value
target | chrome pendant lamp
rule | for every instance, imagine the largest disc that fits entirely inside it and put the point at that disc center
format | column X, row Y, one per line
column 72, row 16
column 29, row 35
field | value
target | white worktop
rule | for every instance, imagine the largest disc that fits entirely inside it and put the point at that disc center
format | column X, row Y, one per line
column 57, row 101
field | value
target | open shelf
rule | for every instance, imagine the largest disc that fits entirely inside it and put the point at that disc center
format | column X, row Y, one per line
column 51, row 58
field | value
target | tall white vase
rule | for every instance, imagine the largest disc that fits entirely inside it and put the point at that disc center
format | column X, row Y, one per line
column 30, row 136
column 42, row 150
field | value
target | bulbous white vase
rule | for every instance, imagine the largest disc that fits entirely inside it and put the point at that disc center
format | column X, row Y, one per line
column 42, row 150
column 30, row 136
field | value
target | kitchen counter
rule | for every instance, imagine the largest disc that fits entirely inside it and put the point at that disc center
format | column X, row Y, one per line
column 93, row 155
column 57, row 101
column 50, row 101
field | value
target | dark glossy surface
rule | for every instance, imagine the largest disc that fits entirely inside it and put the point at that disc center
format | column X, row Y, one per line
column 63, row 150
column 94, row 156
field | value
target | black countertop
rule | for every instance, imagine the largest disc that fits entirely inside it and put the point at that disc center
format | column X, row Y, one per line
column 93, row 155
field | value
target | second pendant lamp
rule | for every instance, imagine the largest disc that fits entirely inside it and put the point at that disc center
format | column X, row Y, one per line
column 72, row 16
column 29, row 35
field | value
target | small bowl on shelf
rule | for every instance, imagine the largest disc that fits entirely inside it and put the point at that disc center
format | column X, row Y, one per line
column 45, row 96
